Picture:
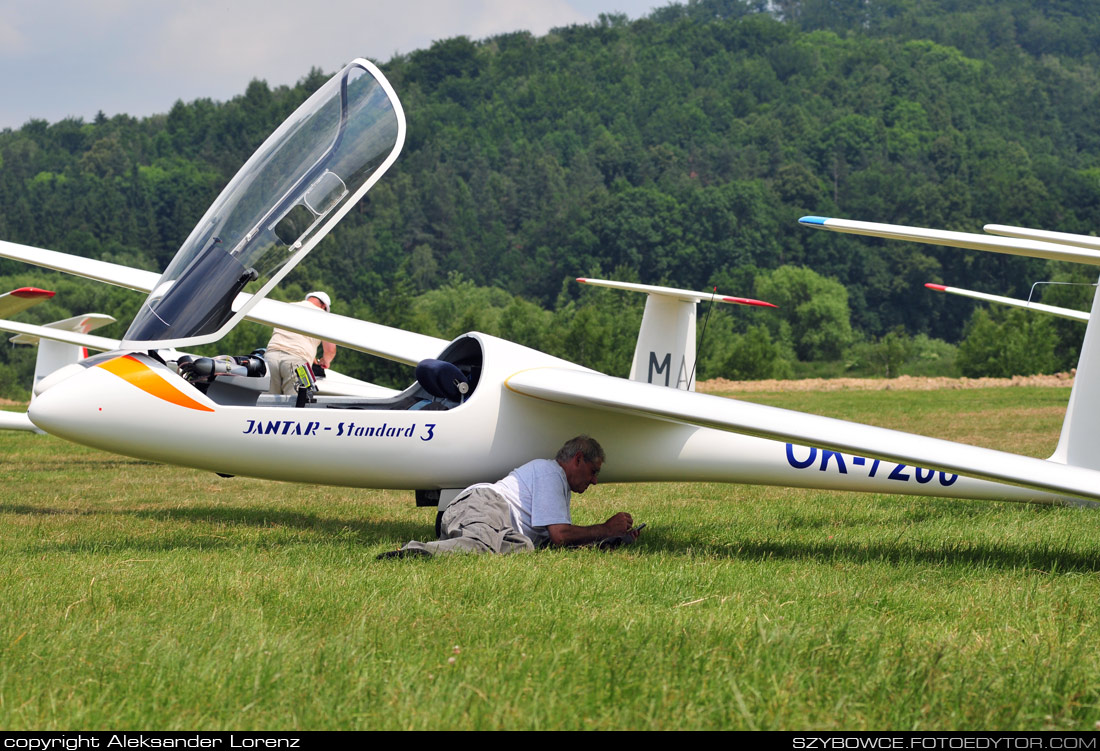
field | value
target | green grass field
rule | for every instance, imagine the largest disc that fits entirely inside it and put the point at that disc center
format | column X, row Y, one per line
column 139, row 596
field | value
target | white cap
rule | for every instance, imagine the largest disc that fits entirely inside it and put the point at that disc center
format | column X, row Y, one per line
column 323, row 297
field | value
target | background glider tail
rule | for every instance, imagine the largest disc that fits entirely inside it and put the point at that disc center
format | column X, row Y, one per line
column 70, row 345
column 665, row 352
column 1079, row 444
column 54, row 354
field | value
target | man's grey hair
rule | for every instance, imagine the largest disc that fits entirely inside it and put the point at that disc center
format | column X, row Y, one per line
column 587, row 447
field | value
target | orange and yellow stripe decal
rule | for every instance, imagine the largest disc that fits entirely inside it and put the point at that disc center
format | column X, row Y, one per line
column 139, row 374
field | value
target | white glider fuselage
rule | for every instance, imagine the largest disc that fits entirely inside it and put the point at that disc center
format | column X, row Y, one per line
column 133, row 405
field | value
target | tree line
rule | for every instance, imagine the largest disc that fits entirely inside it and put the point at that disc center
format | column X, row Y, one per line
column 680, row 149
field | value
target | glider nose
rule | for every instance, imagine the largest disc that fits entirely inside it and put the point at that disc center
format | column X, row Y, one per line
column 117, row 404
column 61, row 402
column 57, row 377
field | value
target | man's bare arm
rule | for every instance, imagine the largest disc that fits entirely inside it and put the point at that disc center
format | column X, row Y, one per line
column 570, row 535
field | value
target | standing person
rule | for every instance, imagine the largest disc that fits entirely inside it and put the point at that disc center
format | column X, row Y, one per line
column 287, row 350
column 527, row 509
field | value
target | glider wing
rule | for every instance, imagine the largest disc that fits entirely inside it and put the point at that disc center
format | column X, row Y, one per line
column 597, row 391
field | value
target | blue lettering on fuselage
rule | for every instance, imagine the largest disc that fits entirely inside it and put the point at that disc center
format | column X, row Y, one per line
column 343, row 429
column 385, row 430
column 897, row 471
column 281, row 427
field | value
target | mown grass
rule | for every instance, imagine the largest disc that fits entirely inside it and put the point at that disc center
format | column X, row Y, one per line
column 142, row 596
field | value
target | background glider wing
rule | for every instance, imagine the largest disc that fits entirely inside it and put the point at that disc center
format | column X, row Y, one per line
column 1065, row 238
column 952, row 239
column 372, row 338
column 101, row 271
column 20, row 299
column 17, row 421
column 597, row 391
column 1073, row 315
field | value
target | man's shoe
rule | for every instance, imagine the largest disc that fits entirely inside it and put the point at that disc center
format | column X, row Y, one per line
column 404, row 553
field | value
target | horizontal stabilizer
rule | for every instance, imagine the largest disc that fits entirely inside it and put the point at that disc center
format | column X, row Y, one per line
column 676, row 294
column 1074, row 315
column 35, row 332
column 80, row 324
column 596, row 391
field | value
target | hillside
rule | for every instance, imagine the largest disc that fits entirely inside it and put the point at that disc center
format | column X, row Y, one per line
column 679, row 148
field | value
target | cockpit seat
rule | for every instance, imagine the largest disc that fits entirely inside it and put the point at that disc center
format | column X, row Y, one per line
column 443, row 380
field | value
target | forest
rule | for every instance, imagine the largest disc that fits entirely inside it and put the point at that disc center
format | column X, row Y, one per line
column 680, row 148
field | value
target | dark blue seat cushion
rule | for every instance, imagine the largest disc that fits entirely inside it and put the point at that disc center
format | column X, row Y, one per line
column 439, row 378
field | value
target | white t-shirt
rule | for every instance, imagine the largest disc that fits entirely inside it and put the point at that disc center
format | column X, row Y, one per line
column 538, row 495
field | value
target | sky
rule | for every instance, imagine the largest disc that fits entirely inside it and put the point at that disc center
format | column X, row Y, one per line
column 74, row 58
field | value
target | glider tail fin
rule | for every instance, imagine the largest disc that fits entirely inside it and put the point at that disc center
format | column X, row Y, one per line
column 1079, row 444
column 665, row 352
column 53, row 355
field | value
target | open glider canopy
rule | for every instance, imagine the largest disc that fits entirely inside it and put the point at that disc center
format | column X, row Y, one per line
column 293, row 190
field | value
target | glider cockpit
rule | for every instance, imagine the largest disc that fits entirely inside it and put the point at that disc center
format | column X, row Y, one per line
column 442, row 383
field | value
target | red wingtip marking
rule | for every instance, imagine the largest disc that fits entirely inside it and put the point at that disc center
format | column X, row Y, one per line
column 749, row 301
column 582, row 280
column 937, row 287
column 31, row 292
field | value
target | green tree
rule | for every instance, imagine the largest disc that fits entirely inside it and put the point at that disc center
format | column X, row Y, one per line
column 814, row 307
column 1003, row 342
column 1072, row 287
column 755, row 356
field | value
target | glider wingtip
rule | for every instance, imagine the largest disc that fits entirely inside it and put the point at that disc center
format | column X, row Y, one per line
column 818, row 221
column 937, row 287
column 31, row 292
